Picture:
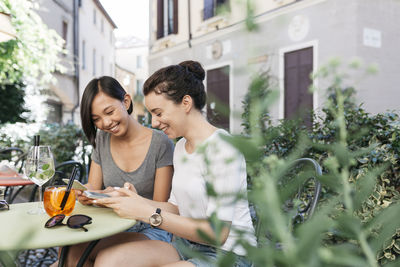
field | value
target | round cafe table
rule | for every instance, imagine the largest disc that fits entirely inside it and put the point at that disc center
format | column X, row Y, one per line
column 9, row 179
column 20, row 230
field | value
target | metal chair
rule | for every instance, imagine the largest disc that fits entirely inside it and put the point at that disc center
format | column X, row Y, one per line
column 309, row 198
column 17, row 156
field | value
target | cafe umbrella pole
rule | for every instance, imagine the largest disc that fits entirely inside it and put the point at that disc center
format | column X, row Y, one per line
column 69, row 186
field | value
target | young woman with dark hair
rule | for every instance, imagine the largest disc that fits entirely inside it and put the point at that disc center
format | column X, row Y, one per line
column 175, row 96
column 125, row 153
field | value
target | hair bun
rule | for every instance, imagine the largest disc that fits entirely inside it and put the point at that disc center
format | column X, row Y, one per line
column 195, row 68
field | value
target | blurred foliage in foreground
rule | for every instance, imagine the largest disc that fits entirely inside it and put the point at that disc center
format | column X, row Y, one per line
column 356, row 222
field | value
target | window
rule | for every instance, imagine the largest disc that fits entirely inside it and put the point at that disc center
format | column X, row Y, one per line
column 83, row 55
column 127, row 80
column 94, row 16
column 167, row 17
column 139, row 87
column 55, row 111
column 65, row 32
column 211, row 6
column 138, row 61
column 94, row 61
column 102, row 25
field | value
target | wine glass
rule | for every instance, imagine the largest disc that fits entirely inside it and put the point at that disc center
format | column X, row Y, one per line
column 39, row 168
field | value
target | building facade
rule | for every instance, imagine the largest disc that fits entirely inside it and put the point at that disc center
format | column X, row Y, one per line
column 88, row 32
column 131, row 57
column 293, row 40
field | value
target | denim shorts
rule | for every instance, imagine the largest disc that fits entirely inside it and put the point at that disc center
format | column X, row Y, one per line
column 208, row 252
column 151, row 233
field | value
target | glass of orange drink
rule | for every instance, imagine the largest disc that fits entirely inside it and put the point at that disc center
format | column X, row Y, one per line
column 52, row 199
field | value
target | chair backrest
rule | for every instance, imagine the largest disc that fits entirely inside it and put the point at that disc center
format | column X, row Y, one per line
column 312, row 197
column 64, row 170
column 308, row 194
column 15, row 155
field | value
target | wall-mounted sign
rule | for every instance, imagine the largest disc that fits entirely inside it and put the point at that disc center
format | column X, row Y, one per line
column 216, row 49
column 298, row 28
column 372, row 38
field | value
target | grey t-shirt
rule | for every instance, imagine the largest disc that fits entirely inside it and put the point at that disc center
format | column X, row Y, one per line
column 160, row 154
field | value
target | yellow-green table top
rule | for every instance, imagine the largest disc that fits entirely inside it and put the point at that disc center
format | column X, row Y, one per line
column 20, row 230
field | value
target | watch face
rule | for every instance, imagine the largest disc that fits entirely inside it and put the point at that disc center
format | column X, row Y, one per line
column 155, row 219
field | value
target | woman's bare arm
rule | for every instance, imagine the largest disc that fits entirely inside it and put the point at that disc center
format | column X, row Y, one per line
column 162, row 183
column 133, row 206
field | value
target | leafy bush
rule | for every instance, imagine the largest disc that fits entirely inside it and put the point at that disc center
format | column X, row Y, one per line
column 67, row 142
column 356, row 223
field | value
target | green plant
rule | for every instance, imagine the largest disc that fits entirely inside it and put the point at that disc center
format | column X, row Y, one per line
column 361, row 182
column 12, row 109
column 67, row 142
column 34, row 54
column 356, row 222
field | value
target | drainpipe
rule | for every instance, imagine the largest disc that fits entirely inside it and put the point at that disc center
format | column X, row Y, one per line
column 190, row 30
column 76, row 55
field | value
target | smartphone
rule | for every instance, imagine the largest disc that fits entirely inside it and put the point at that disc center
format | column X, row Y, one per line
column 95, row 195
column 76, row 185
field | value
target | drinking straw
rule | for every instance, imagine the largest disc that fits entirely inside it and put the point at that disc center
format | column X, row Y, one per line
column 36, row 143
column 36, row 140
column 70, row 182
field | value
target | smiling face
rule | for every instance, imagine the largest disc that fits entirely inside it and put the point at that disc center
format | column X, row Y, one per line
column 166, row 115
column 109, row 114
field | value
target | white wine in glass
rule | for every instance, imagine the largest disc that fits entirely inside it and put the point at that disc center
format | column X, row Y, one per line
column 39, row 168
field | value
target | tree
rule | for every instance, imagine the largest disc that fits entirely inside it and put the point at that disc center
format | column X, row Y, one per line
column 12, row 100
column 30, row 59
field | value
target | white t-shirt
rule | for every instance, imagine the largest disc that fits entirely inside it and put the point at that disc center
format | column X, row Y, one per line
column 226, row 171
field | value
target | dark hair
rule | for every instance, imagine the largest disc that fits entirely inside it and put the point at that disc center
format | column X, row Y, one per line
column 176, row 81
column 110, row 87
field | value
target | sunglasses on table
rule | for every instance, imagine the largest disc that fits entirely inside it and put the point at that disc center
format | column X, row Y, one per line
column 74, row 222
column 4, row 205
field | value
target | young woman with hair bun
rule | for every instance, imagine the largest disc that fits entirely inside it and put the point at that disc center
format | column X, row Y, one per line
column 175, row 97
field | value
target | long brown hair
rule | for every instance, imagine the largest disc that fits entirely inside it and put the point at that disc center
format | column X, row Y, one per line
column 110, row 87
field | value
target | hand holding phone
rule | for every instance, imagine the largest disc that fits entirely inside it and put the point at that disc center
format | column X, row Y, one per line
column 76, row 185
column 95, row 195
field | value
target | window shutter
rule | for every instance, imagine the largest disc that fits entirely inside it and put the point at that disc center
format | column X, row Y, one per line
column 175, row 29
column 208, row 9
column 160, row 19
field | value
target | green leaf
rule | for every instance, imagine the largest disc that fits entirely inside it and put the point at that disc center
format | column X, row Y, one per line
column 227, row 259
column 386, row 223
column 45, row 166
column 246, row 146
column 365, row 185
column 8, row 258
column 349, row 225
column 309, row 235
column 342, row 255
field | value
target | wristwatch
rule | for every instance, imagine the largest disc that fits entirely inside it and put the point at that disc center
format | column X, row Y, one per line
column 156, row 218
